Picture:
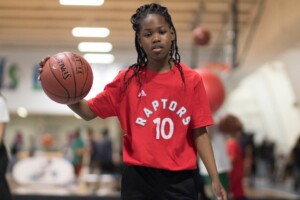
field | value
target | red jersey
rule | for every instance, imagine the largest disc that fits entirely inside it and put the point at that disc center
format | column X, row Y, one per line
column 157, row 118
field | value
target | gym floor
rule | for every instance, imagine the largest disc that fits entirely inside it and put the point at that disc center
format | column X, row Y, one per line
column 108, row 188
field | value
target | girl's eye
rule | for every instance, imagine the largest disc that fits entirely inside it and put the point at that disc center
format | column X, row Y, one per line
column 147, row 34
column 162, row 32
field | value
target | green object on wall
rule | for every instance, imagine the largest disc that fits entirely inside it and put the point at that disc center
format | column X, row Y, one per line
column 13, row 78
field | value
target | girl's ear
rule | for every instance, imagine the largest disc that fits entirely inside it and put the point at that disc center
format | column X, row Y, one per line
column 139, row 40
column 172, row 34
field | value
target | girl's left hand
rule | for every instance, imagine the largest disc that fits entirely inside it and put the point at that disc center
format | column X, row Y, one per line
column 219, row 191
column 42, row 62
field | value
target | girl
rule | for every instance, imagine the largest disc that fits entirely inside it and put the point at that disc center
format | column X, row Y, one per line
column 163, row 110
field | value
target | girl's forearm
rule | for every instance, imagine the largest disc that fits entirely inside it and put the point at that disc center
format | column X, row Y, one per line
column 205, row 151
column 83, row 110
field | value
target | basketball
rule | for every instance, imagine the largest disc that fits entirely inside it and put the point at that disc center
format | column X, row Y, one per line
column 66, row 77
column 47, row 140
column 200, row 36
column 214, row 88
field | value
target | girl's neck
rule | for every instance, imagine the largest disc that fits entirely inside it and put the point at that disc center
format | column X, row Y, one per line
column 160, row 66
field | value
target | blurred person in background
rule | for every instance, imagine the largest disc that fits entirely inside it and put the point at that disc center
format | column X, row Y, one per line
column 266, row 160
column 105, row 150
column 15, row 149
column 4, row 118
column 248, row 148
column 78, row 150
column 296, row 165
column 66, row 149
column 32, row 148
column 218, row 140
column 231, row 125
column 94, row 158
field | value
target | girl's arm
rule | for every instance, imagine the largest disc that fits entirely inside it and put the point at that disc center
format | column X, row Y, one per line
column 2, row 129
column 204, row 149
column 83, row 110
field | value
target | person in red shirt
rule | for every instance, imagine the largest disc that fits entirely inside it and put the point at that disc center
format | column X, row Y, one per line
column 232, row 126
column 163, row 111
column 237, row 172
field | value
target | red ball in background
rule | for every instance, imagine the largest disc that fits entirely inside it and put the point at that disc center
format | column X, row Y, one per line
column 214, row 88
column 47, row 140
column 200, row 36
column 66, row 77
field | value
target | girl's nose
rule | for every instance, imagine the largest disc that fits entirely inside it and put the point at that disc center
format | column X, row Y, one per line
column 156, row 38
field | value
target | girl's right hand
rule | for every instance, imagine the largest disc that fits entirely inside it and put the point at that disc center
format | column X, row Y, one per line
column 42, row 63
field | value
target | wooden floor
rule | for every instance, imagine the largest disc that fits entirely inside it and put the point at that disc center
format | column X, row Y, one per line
column 110, row 190
column 270, row 193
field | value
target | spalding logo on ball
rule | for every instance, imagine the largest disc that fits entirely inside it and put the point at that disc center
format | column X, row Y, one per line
column 66, row 77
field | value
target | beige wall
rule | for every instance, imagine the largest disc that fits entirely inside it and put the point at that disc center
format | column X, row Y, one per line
column 276, row 33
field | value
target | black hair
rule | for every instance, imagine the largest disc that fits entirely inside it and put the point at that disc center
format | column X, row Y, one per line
column 136, row 20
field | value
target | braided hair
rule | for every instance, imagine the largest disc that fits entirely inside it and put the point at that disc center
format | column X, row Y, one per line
column 136, row 19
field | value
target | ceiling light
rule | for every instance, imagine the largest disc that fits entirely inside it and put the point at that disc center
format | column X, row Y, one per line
column 81, row 2
column 95, row 47
column 99, row 58
column 90, row 32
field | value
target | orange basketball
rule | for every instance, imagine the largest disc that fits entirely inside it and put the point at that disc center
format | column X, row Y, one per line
column 214, row 88
column 200, row 36
column 66, row 77
column 47, row 140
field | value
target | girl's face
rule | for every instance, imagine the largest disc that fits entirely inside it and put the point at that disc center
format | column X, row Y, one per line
column 156, row 37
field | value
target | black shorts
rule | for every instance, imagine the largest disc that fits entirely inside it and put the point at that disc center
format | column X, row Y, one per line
column 145, row 183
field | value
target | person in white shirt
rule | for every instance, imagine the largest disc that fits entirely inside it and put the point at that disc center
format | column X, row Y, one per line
column 4, row 119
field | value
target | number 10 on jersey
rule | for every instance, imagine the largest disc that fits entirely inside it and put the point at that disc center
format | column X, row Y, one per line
column 161, row 125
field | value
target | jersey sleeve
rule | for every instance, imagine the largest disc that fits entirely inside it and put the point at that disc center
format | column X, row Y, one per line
column 105, row 104
column 201, row 115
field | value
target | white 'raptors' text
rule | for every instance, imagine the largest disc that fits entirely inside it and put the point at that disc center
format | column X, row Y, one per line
column 164, row 104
